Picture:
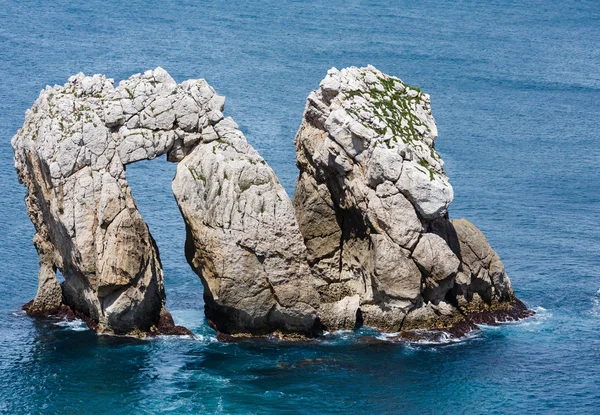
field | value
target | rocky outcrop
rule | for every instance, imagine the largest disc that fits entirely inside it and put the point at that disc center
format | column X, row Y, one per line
column 71, row 155
column 367, row 240
column 243, row 239
column 372, row 200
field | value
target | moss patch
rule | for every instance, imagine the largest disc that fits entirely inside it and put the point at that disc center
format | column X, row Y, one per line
column 394, row 105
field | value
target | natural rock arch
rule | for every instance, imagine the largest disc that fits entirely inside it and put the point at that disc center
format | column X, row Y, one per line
column 71, row 154
column 367, row 239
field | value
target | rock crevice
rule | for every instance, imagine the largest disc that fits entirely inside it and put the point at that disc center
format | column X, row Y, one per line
column 243, row 238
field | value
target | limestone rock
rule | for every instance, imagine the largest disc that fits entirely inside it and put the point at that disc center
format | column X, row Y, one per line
column 243, row 238
column 71, row 154
column 395, row 274
column 342, row 314
column 435, row 257
column 483, row 271
column 367, row 239
column 49, row 295
column 372, row 204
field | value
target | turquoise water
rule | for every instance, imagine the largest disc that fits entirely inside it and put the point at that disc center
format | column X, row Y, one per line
column 515, row 89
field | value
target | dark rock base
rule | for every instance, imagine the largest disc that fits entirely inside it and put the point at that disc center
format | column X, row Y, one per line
column 274, row 336
column 502, row 313
column 166, row 326
column 62, row 312
column 514, row 311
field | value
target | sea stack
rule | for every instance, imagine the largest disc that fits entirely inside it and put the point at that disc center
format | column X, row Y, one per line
column 367, row 240
column 372, row 203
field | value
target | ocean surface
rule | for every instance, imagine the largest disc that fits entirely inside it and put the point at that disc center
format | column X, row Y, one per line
column 515, row 90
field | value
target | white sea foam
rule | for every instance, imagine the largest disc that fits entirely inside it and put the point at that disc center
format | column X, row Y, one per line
column 170, row 337
column 333, row 333
column 337, row 337
column 445, row 341
column 74, row 325
column 491, row 327
column 447, row 338
column 531, row 323
column 337, row 334
column 387, row 336
column 595, row 311
column 540, row 316
column 206, row 338
column 442, row 338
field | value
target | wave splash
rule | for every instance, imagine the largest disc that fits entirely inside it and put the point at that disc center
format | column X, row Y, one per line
column 73, row 325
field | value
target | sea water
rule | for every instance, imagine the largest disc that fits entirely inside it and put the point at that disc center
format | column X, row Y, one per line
column 515, row 90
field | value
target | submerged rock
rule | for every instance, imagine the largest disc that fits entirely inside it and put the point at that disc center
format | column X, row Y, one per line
column 372, row 204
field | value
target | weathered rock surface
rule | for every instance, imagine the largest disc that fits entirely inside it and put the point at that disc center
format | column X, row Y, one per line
column 243, row 238
column 372, row 200
column 71, row 154
column 367, row 239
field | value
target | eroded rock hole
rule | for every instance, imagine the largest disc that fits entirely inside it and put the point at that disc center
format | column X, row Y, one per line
column 150, row 182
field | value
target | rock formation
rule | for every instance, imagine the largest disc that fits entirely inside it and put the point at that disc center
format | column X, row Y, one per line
column 71, row 154
column 243, row 238
column 367, row 239
column 372, row 200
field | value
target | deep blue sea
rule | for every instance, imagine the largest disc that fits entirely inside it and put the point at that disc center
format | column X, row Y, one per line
column 515, row 90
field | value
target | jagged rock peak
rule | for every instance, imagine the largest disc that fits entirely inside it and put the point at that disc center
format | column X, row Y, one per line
column 371, row 116
column 371, row 201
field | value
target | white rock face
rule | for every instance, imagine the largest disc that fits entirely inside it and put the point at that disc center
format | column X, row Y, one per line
column 243, row 238
column 370, row 198
column 71, row 154
column 435, row 257
column 367, row 239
